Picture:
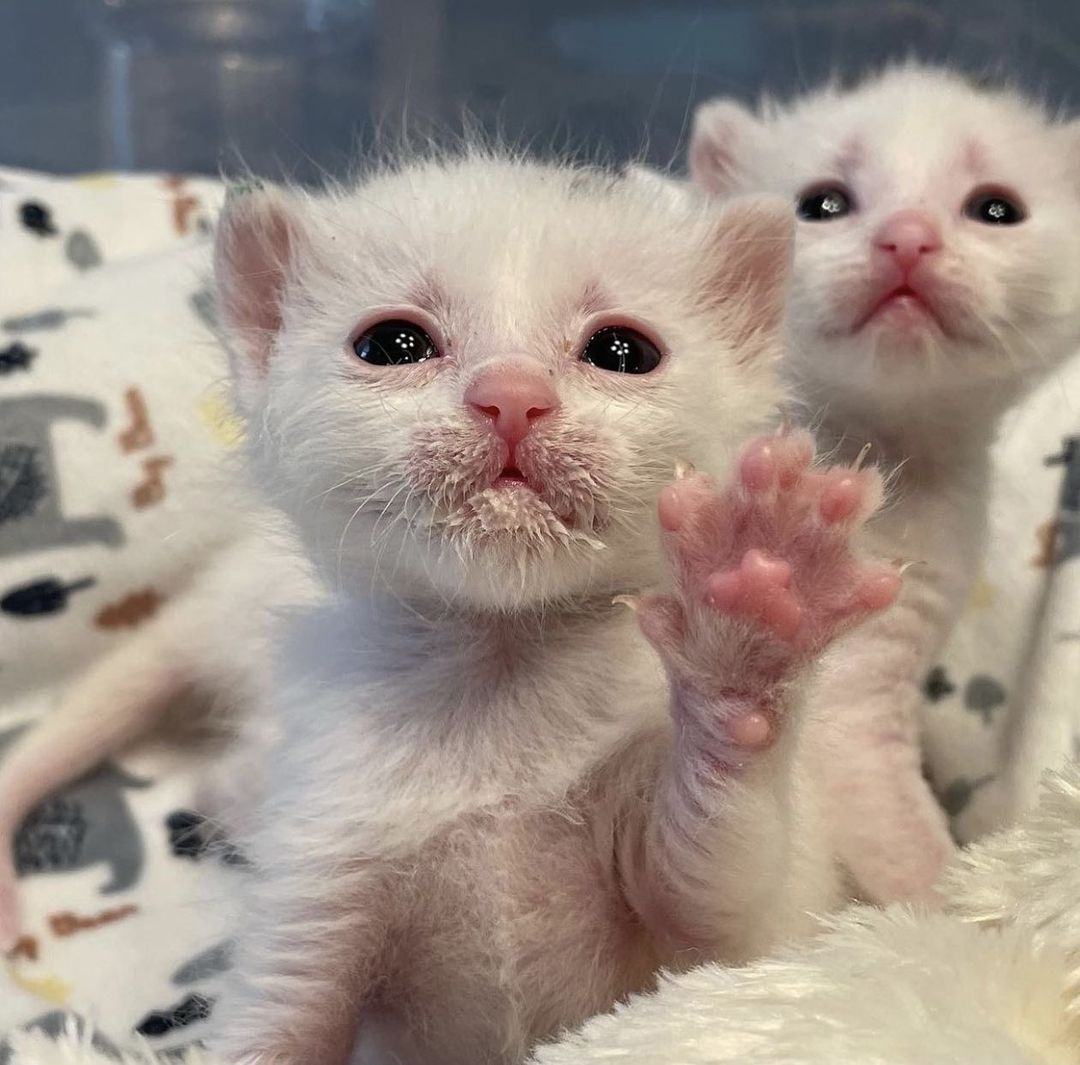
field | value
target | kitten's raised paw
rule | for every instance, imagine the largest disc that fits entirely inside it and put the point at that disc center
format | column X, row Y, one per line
column 765, row 575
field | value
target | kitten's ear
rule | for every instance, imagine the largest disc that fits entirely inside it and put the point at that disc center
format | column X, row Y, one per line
column 672, row 190
column 748, row 271
column 724, row 131
column 1070, row 133
column 260, row 236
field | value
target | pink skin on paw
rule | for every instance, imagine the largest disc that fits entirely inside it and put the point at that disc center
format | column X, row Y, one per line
column 678, row 501
column 758, row 589
column 753, row 730
column 670, row 509
column 878, row 588
column 775, row 460
column 841, row 497
column 773, row 549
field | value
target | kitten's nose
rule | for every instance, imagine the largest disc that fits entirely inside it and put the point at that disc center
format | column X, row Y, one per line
column 907, row 236
column 513, row 399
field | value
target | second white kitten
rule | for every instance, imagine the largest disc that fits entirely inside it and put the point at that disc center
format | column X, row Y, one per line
column 937, row 276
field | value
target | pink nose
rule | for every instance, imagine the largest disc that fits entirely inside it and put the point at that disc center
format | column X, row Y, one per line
column 513, row 399
column 907, row 236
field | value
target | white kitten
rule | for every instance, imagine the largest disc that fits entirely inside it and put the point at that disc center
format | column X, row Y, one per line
column 937, row 276
column 468, row 381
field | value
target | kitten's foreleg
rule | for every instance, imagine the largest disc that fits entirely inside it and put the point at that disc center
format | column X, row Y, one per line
column 765, row 578
column 307, row 960
column 889, row 830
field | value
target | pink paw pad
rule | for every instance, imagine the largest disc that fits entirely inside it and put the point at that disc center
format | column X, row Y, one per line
column 775, row 460
column 842, row 496
column 760, row 589
column 753, row 730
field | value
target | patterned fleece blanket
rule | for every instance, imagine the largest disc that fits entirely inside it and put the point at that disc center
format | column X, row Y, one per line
column 112, row 422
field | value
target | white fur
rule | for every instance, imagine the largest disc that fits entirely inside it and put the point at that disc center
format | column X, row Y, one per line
column 458, row 829
column 921, row 139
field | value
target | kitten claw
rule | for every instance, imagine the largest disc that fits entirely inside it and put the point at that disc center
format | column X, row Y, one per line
column 683, row 470
column 902, row 567
column 861, row 457
column 631, row 601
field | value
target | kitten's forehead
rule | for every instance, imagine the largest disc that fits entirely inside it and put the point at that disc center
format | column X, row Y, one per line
column 920, row 126
column 524, row 240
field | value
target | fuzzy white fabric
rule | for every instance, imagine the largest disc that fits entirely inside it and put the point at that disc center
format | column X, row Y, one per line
column 879, row 989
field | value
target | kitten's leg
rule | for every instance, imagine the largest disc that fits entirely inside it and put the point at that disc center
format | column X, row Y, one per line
column 115, row 702
column 765, row 578
column 888, row 828
column 316, row 918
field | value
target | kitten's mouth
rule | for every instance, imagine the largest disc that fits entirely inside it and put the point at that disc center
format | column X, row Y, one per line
column 904, row 307
column 511, row 477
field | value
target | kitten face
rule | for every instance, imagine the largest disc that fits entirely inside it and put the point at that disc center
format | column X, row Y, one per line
column 937, row 241
column 432, row 365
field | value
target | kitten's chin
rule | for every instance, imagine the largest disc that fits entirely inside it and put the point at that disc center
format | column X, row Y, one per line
column 509, row 551
column 511, row 518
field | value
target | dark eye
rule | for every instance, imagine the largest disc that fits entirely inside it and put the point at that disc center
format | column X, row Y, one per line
column 395, row 343
column 824, row 203
column 994, row 209
column 621, row 350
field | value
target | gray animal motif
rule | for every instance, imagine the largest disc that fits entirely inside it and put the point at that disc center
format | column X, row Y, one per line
column 81, row 250
column 16, row 356
column 42, row 597
column 983, row 695
column 211, row 962
column 937, row 685
column 1067, row 540
column 202, row 303
column 191, row 1010
column 86, row 824
column 37, row 217
column 50, row 318
column 31, row 518
column 54, row 1024
column 956, row 797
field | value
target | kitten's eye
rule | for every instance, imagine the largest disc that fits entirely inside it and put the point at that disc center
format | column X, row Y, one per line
column 994, row 209
column 395, row 343
column 621, row 350
column 823, row 203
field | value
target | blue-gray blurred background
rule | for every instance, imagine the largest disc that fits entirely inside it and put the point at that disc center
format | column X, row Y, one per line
column 296, row 86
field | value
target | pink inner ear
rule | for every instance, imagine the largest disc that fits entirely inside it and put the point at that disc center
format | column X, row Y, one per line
column 256, row 241
column 711, row 163
column 749, row 283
